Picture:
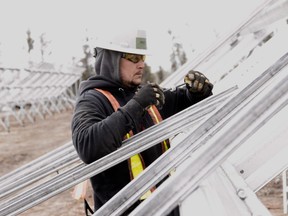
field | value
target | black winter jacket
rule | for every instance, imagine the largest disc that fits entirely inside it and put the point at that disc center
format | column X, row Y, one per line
column 97, row 130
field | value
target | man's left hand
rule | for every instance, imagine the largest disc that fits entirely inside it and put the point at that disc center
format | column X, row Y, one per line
column 197, row 82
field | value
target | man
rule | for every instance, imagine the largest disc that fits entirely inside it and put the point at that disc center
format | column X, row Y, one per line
column 113, row 105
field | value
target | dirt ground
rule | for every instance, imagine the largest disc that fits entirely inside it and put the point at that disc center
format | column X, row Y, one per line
column 24, row 144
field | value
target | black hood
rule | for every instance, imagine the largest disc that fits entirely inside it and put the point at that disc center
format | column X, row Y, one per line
column 107, row 63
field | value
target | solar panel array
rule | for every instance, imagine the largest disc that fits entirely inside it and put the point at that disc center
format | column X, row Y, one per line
column 27, row 94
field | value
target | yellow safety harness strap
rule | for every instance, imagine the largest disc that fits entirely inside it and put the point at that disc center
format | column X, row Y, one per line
column 136, row 166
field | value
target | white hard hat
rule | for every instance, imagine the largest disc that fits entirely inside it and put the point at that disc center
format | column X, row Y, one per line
column 128, row 41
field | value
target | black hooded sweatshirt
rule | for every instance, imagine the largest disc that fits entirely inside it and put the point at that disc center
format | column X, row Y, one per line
column 97, row 130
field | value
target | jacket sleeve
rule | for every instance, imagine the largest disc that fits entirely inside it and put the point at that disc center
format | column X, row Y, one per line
column 96, row 129
column 178, row 100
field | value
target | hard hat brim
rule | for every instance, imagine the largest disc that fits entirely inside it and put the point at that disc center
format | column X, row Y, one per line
column 123, row 49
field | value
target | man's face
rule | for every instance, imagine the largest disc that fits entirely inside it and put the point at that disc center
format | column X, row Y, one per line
column 131, row 73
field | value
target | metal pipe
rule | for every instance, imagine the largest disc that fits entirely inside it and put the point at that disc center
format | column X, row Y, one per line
column 274, row 13
column 38, row 174
column 205, row 55
column 36, row 164
column 34, row 190
column 144, row 140
column 175, row 189
column 241, row 26
column 153, row 174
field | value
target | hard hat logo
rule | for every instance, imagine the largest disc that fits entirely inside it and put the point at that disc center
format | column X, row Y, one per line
column 141, row 43
column 141, row 40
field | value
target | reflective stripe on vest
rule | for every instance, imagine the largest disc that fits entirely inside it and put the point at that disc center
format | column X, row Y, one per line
column 136, row 163
column 156, row 117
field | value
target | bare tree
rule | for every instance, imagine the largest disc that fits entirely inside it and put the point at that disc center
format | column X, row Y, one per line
column 86, row 60
column 178, row 55
column 30, row 41
column 44, row 45
column 161, row 74
column 147, row 75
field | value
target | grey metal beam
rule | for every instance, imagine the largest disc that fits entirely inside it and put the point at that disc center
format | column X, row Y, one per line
column 38, row 174
column 131, row 193
column 35, row 164
column 274, row 13
column 178, row 186
column 226, row 39
column 144, row 140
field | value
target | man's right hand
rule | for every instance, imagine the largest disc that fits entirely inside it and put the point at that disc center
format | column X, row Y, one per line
column 150, row 94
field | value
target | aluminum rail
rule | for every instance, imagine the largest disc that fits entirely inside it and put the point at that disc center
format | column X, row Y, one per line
column 53, row 167
column 251, row 204
column 179, row 186
column 163, row 165
column 35, row 164
column 134, row 145
column 35, row 189
column 253, row 160
column 274, row 13
column 20, row 169
column 69, row 177
column 38, row 169
column 216, row 46
column 41, row 167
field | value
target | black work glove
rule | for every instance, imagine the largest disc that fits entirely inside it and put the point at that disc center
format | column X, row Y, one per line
column 147, row 95
column 150, row 94
column 197, row 83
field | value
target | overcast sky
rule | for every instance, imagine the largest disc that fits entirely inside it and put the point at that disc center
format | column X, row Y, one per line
column 66, row 23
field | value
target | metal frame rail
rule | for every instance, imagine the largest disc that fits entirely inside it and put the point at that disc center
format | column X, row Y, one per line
column 147, row 138
column 27, row 93
column 54, row 171
column 199, row 166
column 44, row 160
column 210, row 51
column 28, row 79
column 165, row 164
